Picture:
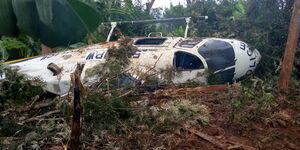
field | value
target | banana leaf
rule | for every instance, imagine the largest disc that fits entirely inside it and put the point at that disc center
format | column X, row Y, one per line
column 7, row 19
column 56, row 22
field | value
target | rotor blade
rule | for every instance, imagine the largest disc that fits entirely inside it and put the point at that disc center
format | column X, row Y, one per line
column 156, row 20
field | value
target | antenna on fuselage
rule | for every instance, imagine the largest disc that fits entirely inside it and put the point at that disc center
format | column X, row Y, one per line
column 178, row 19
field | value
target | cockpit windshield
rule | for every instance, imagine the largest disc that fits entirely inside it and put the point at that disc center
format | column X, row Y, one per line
column 219, row 55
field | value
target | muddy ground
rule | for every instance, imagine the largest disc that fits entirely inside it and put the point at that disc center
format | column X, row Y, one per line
column 277, row 127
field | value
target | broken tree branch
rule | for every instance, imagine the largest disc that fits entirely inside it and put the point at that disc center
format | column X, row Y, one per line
column 37, row 106
column 31, row 105
column 77, row 90
column 40, row 117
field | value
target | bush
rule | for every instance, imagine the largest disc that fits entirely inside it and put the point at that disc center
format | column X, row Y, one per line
column 104, row 113
column 256, row 99
column 17, row 88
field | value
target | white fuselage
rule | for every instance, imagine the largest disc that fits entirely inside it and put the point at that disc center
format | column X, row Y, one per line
column 190, row 56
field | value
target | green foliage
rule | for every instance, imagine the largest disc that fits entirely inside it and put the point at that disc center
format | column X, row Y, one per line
column 104, row 113
column 179, row 32
column 121, row 11
column 12, row 48
column 55, row 22
column 257, row 99
column 16, row 88
column 16, row 48
column 104, row 110
column 213, row 78
column 116, row 62
column 240, row 10
column 262, row 24
column 8, row 127
column 99, row 112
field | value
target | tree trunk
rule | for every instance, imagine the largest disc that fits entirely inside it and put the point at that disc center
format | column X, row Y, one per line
column 149, row 5
column 290, row 49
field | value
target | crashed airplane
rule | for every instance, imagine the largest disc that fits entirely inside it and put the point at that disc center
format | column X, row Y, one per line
column 229, row 58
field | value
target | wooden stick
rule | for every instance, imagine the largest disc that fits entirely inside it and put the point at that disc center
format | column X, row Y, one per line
column 290, row 49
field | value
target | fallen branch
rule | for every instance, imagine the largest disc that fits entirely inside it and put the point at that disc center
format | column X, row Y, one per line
column 206, row 137
column 28, row 108
column 40, row 117
column 183, row 92
column 38, row 106
column 220, row 144
column 189, row 91
column 34, row 100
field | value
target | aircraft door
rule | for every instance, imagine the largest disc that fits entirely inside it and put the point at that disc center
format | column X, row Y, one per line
column 189, row 67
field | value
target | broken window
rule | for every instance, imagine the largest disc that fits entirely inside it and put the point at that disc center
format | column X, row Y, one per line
column 150, row 41
column 184, row 60
column 189, row 43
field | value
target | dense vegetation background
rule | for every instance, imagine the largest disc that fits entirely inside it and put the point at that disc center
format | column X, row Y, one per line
column 112, row 120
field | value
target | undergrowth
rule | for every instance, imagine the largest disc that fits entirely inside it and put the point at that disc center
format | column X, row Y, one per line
column 257, row 99
column 104, row 113
column 103, row 109
column 107, row 114
column 117, row 60
column 181, row 111
column 17, row 88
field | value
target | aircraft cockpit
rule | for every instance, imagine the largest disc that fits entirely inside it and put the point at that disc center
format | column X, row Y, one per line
column 220, row 58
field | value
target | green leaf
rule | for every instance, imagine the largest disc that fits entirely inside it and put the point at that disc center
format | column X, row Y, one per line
column 3, row 53
column 56, row 22
column 7, row 19
column 240, row 10
column 27, row 16
column 45, row 12
column 12, row 48
column 90, row 17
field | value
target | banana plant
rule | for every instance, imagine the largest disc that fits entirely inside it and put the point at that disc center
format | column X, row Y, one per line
column 53, row 22
column 11, row 48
